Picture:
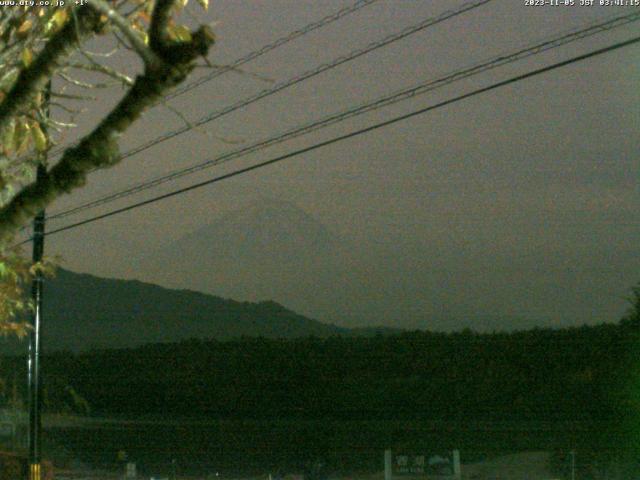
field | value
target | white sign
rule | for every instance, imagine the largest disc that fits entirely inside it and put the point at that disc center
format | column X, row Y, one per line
column 130, row 471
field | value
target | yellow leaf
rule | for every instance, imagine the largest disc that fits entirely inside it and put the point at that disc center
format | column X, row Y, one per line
column 25, row 27
column 60, row 17
column 8, row 136
column 208, row 32
column 6, row 81
column 144, row 16
column 204, row 4
column 18, row 134
column 27, row 57
column 22, row 137
column 39, row 138
column 180, row 33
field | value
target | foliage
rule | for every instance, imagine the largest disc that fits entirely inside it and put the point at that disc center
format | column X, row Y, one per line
column 632, row 318
column 418, row 375
column 486, row 394
column 15, row 276
column 44, row 65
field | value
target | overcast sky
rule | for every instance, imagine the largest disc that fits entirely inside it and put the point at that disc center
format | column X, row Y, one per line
column 520, row 202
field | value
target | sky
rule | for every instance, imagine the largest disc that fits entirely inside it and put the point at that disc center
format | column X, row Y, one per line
column 514, row 208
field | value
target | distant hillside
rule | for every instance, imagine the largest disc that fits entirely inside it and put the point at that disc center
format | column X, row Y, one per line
column 83, row 311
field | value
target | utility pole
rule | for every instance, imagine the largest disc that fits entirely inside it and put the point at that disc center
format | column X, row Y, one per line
column 33, row 362
column 35, row 400
column 573, row 465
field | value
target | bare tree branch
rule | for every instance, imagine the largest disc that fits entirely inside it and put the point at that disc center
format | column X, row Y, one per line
column 71, row 111
column 34, row 77
column 97, row 67
column 119, row 21
column 81, row 84
column 99, row 149
column 108, row 54
column 159, row 24
column 58, row 123
column 70, row 96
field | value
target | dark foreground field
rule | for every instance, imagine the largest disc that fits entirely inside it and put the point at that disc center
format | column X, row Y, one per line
column 252, row 406
column 244, row 448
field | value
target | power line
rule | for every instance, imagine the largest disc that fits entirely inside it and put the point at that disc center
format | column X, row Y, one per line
column 360, row 4
column 411, row 30
column 419, row 89
column 429, row 22
column 272, row 46
column 355, row 133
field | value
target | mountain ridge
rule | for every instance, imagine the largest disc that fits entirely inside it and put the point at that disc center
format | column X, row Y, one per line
column 269, row 249
column 82, row 311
